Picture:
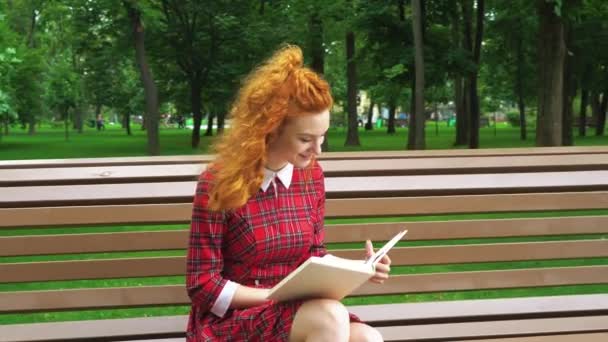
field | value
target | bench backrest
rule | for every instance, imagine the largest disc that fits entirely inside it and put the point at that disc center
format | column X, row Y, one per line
column 168, row 202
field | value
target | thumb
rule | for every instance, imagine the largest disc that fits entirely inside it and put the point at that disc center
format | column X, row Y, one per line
column 369, row 248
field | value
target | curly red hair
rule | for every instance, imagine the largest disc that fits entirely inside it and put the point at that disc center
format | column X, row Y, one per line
column 279, row 88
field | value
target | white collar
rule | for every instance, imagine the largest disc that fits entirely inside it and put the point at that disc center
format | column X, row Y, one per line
column 283, row 174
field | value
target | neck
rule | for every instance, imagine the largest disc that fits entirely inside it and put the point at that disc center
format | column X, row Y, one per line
column 275, row 165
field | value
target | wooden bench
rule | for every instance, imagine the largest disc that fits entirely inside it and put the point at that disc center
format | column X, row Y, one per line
column 487, row 242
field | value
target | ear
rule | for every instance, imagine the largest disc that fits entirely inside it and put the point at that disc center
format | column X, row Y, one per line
column 272, row 137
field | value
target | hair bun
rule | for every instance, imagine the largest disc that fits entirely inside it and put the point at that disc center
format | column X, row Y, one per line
column 288, row 57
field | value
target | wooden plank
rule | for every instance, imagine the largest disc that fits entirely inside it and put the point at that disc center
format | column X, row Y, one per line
column 332, row 168
column 113, row 329
column 482, row 309
column 465, row 229
column 408, row 256
column 346, row 187
column 565, row 150
column 338, row 187
column 93, row 243
column 498, row 329
column 335, row 208
column 429, row 205
column 177, row 239
column 589, row 337
column 100, row 174
column 25, row 301
column 479, row 280
column 379, row 314
column 97, row 215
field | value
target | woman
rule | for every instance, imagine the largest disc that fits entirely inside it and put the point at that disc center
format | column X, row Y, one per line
column 258, row 214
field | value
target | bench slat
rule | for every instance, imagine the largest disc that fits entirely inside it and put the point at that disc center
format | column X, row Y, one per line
column 333, row 168
column 337, row 187
column 589, row 337
column 498, row 329
column 160, row 240
column 430, row 312
column 403, row 256
column 376, row 207
column 417, row 283
column 536, row 151
column 335, row 208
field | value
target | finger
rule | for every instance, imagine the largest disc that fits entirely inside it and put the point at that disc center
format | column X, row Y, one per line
column 385, row 260
column 369, row 248
column 380, row 275
column 378, row 280
column 382, row 268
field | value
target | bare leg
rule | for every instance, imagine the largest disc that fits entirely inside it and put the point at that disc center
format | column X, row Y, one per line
column 320, row 320
column 360, row 332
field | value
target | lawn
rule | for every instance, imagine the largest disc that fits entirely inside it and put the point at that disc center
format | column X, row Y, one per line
column 113, row 142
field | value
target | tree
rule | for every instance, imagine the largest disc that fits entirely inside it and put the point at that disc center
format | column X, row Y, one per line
column 150, row 90
column 417, row 123
column 472, row 96
column 509, row 71
column 352, row 136
column 63, row 89
column 551, row 52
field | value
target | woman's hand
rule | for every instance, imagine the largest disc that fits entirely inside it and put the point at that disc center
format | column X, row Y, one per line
column 383, row 266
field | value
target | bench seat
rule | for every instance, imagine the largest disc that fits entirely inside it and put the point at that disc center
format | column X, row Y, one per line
column 459, row 320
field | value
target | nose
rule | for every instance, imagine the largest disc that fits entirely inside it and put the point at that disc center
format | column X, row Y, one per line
column 316, row 149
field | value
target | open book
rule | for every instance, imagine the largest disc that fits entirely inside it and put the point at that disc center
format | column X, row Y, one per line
column 329, row 276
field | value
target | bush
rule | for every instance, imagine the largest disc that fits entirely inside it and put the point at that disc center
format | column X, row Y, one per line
column 513, row 118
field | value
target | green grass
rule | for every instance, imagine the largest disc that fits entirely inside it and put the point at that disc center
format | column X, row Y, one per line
column 113, row 142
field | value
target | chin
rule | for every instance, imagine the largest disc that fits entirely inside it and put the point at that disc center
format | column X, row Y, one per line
column 302, row 162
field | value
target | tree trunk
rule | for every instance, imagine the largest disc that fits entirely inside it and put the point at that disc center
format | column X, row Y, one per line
column 569, row 92
column 462, row 121
column 32, row 45
column 196, row 88
column 475, row 113
column 79, row 118
column 392, row 107
column 551, row 51
column 150, row 90
column 127, row 122
column 210, row 118
column 5, row 124
column 370, row 114
column 601, row 118
column 582, row 123
column 417, row 119
column 315, row 29
column 221, row 118
column 66, row 121
column 352, row 133
column 31, row 124
column 519, row 86
column 594, row 99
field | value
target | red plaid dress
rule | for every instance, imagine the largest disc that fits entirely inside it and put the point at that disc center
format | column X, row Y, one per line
column 257, row 246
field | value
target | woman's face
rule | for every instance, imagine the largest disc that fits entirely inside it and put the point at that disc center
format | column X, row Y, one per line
column 297, row 141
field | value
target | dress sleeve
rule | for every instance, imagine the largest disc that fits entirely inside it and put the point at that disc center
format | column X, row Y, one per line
column 204, row 280
column 318, row 244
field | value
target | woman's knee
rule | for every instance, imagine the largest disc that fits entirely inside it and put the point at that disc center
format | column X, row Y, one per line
column 332, row 311
column 321, row 319
column 360, row 332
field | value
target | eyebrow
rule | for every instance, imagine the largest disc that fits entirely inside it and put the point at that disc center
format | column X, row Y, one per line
column 310, row 134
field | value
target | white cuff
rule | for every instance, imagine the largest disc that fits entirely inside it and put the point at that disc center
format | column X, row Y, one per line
column 222, row 303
